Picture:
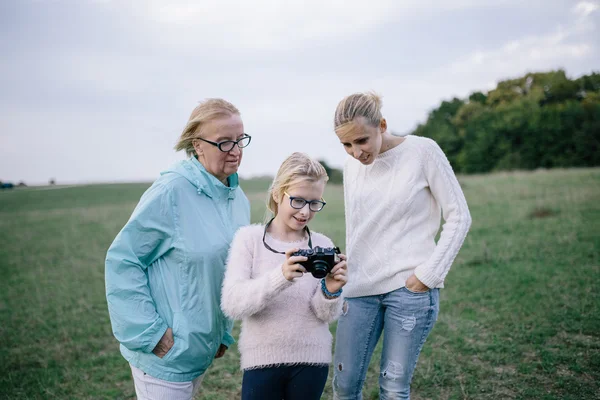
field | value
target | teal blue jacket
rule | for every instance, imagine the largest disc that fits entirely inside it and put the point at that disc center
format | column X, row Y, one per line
column 165, row 269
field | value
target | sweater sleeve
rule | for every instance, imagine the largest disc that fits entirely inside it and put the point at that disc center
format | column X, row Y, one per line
column 327, row 310
column 447, row 192
column 242, row 295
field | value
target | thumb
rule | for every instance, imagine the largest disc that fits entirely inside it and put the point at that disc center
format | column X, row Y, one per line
column 289, row 252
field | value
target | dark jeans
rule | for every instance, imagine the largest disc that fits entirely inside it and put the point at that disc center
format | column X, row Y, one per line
column 301, row 382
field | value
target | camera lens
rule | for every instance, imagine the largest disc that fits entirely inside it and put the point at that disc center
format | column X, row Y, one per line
column 319, row 269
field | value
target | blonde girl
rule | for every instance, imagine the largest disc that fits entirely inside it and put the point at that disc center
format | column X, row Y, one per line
column 285, row 343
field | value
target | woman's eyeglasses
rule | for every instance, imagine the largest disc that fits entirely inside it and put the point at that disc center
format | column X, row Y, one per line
column 228, row 145
column 298, row 203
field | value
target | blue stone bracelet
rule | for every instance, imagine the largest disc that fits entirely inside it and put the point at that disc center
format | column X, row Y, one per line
column 327, row 292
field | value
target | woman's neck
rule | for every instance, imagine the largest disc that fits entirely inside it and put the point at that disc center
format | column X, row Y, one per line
column 280, row 231
column 390, row 141
column 224, row 180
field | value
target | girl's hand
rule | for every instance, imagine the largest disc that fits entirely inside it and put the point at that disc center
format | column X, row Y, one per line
column 338, row 276
column 290, row 268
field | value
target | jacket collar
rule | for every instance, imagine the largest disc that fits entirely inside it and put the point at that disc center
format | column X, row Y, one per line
column 205, row 182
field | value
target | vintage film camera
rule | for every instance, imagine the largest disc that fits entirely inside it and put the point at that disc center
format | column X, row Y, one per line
column 321, row 260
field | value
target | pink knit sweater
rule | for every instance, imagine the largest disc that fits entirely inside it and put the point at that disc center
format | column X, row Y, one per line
column 284, row 323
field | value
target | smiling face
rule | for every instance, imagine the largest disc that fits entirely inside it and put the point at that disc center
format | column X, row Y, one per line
column 294, row 220
column 218, row 163
column 361, row 140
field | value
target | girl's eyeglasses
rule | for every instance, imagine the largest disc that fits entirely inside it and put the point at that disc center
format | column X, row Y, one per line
column 298, row 203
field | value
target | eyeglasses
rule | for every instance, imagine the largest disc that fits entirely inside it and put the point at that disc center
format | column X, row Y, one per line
column 227, row 145
column 298, row 203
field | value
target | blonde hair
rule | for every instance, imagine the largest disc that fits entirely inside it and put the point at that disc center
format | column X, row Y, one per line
column 358, row 105
column 295, row 169
column 208, row 110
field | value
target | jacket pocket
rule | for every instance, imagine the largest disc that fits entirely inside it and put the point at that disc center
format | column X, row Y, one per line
column 193, row 347
column 173, row 350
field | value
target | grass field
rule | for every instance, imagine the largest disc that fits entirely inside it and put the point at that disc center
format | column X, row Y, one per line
column 519, row 318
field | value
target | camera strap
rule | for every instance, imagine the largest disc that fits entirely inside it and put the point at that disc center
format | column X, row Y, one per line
column 282, row 252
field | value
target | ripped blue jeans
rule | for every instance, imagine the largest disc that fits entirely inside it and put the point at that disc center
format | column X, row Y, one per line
column 405, row 318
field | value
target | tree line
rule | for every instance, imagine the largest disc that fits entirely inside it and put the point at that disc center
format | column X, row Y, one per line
column 539, row 120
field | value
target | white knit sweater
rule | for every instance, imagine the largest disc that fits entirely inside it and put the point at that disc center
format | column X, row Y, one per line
column 393, row 215
column 284, row 323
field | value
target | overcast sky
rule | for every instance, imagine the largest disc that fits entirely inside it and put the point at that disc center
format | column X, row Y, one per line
column 99, row 90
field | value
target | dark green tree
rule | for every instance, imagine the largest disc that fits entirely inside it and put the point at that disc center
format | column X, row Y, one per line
column 541, row 119
column 335, row 175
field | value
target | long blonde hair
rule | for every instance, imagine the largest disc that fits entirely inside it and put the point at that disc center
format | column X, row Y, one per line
column 208, row 110
column 297, row 168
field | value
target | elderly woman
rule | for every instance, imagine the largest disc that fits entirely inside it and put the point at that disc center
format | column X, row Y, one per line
column 165, row 268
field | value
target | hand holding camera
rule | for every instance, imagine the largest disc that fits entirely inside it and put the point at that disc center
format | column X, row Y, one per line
column 320, row 260
column 338, row 276
column 291, row 268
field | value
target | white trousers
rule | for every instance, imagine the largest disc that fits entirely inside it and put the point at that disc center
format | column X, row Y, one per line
column 150, row 388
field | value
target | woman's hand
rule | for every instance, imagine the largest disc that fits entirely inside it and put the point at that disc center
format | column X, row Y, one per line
column 415, row 285
column 290, row 268
column 165, row 344
column 221, row 351
column 338, row 276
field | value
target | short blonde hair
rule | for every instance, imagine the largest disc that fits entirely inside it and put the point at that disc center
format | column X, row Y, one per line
column 295, row 169
column 208, row 110
column 358, row 105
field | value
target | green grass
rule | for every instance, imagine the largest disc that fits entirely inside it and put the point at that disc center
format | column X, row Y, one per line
column 519, row 318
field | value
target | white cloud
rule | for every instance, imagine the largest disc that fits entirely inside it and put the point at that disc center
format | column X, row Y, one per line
column 273, row 24
column 585, row 8
column 113, row 90
column 265, row 24
column 567, row 44
column 539, row 52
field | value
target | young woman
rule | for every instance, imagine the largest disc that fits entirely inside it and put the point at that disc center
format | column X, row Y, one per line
column 285, row 343
column 396, row 189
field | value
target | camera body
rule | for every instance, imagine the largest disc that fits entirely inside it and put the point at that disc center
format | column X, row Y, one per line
column 321, row 260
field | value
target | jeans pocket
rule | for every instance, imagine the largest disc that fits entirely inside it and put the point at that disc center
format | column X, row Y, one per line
column 417, row 293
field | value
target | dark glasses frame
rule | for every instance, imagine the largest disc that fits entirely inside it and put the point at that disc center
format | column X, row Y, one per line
column 320, row 203
column 224, row 145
